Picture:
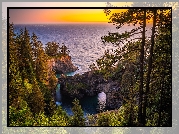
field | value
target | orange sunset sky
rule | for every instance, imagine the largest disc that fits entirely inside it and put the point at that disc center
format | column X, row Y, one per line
column 36, row 16
column 40, row 16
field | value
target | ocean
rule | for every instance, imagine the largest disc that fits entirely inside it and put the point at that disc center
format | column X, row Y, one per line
column 82, row 39
column 85, row 45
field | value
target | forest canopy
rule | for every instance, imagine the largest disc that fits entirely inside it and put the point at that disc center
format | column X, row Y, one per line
column 143, row 67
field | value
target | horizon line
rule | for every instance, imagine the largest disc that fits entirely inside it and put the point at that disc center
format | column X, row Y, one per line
column 65, row 22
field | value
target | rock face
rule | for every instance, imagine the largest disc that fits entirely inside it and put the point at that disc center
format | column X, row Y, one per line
column 113, row 97
column 64, row 65
column 91, row 84
column 78, row 86
column 101, row 101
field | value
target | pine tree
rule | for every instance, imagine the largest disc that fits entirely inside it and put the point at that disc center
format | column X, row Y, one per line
column 40, row 60
column 64, row 50
column 131, row 17
column 34, row 97
column 77, row 119
column 147, row 78
column 52, row 49
column 15, row 81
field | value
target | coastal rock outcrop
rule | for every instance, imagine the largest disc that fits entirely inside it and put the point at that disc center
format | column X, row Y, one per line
column 62, row 65
column 112, row 91
column 91, row 84
column 78, row 86
column 101, row 101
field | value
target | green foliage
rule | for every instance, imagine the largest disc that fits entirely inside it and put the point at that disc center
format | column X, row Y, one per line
column 75, row 86
column 64, row 50
column 106, row 64
column 30, row 81
column 36, row 100
column 40, row 60
column 77, row 119
column 117, row 73
column 120, row 117
column 59, row 118
column 109, row 119
column 134, row 58
column 53, row 49
column 20, row 115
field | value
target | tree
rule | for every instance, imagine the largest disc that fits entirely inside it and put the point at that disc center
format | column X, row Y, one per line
column 40, row 60
column 64, row 50
column 131, row 16
column 52, row 49
column 162, row 71
column 25, row 55
column 77, row 119
column 106, row 64
column 31, row 83
column 149, row 65
column 141, row 69
column 59, row 118
column 147, row 78
column 14, row 73
column 20, row 114
column 23, row 73
column 159, row 59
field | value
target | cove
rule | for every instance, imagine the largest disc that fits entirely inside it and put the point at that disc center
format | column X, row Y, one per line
column 88, row 103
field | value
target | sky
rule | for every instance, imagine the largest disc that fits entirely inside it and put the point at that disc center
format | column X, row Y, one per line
column 40, row 16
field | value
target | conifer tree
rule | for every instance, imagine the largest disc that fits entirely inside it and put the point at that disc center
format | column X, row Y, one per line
column 40, row 60
column 64, row 50
column 161, row 18
column 34, row 95
column 15, row 81
column 44, row 75
column 77, row 119
column 52, row 49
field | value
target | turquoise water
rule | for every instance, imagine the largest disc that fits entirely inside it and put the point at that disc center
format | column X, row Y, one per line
column 67, row 74
column 58, row 87
column 87, row 103
column 70, row 74
column 58, row 75
column 58, row 96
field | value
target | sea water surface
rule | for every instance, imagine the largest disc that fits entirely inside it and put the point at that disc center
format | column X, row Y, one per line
column 85, row 45
column 82, row 39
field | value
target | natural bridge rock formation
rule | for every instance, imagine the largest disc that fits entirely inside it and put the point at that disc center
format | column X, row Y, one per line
column 101, row 101
column 91, row 84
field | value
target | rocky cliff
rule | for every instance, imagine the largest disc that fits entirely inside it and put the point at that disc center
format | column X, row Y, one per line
column 62, row 65
column 90, row 84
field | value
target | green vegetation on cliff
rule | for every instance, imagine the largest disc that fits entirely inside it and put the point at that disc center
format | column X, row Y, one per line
column 142, row 67
column 145, row 65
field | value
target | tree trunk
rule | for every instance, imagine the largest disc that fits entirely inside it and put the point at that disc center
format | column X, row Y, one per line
column 149, row 68
column 141, row 70
column 160, row 107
